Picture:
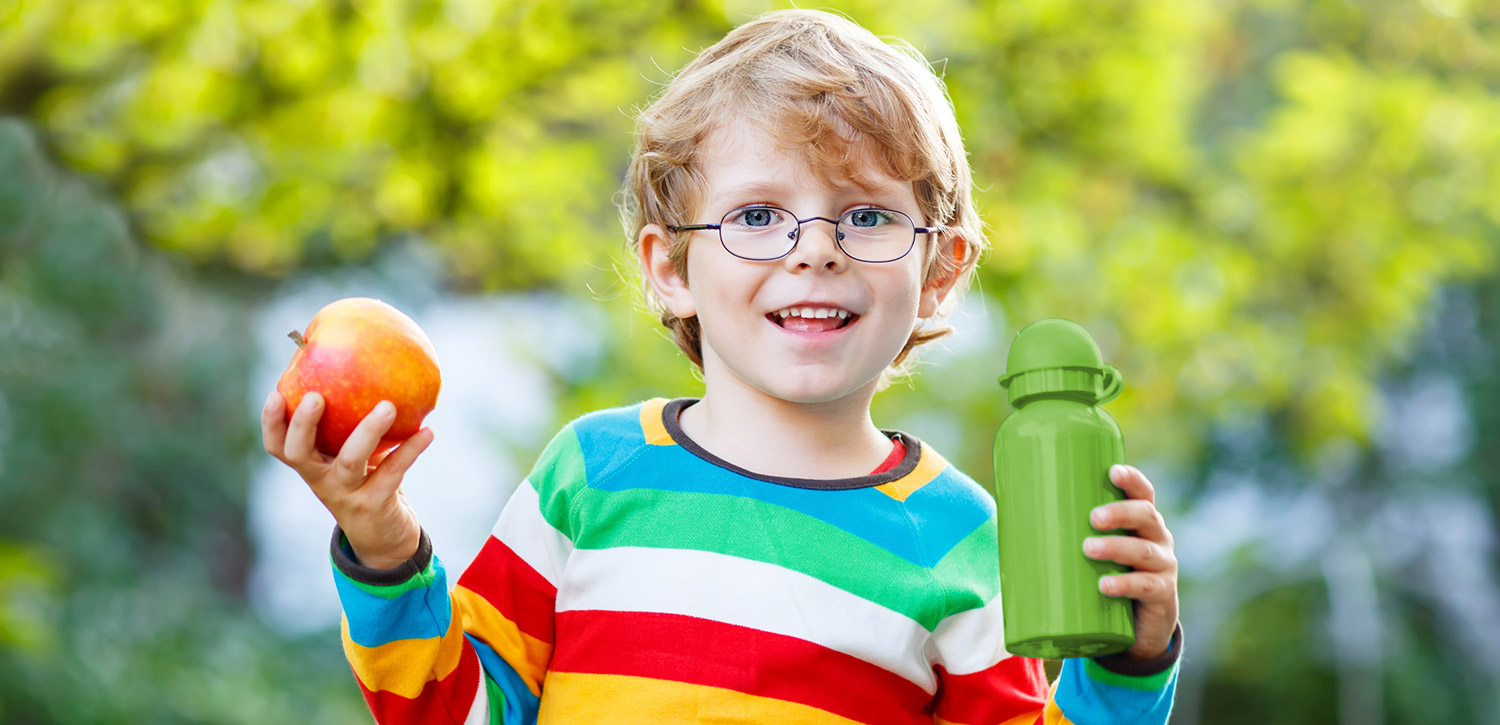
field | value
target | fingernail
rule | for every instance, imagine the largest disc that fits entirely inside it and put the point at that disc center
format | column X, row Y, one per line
column 311, row 401
column 1092, row 546
column 272, row 397
column 385, row 409
column 1117, row 471
column 1098, row 516
column 1107, row 585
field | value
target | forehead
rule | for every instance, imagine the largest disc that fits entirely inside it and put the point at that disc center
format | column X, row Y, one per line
column 742, row 159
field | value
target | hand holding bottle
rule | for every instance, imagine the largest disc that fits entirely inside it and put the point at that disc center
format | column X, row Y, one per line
column 1148, row 549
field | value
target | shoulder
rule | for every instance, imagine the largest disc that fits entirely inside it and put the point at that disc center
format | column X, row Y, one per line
column 597, row 441
column 940, row 483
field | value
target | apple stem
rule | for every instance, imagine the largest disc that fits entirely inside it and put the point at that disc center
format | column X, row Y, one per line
column 297, row 338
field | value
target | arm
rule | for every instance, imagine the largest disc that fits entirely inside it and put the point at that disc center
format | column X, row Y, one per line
column 405, row 644
column 981, row 683
column 480, row 653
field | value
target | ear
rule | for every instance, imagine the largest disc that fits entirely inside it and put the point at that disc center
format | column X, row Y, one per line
column 656, row 265
column 956, row 250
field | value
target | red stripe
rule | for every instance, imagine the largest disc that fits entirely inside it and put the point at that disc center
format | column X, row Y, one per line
column 703, row 652
column 521, row 594
column 1016, row 686
column 441, row 701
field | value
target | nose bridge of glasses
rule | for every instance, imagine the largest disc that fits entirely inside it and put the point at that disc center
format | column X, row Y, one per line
column 837, row 230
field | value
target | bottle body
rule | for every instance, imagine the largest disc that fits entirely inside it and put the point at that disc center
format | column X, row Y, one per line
column 1052, row 461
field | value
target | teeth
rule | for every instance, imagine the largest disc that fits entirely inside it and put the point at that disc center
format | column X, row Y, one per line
column 812, row 313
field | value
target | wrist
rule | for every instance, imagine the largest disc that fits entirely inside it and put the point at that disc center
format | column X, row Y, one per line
column 361, row 570
column 1128, row 663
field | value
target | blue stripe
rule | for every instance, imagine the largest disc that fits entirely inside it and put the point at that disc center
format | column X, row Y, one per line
column 947, row 510
column 520, row 705
column 944, row 511
column 418, row 614
column 1086, row 701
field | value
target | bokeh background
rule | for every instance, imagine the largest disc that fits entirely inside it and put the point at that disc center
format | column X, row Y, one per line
column 1280, row 219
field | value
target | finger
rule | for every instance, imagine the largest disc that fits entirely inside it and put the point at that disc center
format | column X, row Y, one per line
column 273, row 423
column 361, row 444
column 1132, row 551
column 387, row 476
column 1132, row 482
column 302, row 433
column 1134, row 515
column 1142, row 585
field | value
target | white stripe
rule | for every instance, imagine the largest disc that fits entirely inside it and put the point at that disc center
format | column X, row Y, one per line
column 523, row 528
column 971, row 641
column 750, row 594
column 479, row 712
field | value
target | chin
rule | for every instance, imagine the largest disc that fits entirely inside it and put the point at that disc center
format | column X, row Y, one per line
column 813, row 390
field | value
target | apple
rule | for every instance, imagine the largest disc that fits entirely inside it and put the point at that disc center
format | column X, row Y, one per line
column 357, row 352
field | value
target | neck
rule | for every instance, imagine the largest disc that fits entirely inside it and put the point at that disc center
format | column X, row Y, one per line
column 762, row 433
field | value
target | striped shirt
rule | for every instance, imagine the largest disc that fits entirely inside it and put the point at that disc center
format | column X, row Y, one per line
column 634, row 577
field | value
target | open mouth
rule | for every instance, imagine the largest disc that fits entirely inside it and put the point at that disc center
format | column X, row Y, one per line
column 812, row 319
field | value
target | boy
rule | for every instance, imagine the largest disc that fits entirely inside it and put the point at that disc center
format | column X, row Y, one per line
column 764, row 553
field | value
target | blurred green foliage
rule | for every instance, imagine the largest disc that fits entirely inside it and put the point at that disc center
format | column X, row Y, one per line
column 1254, row 205
column 125, row 448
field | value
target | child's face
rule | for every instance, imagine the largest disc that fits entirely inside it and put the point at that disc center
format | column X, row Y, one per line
column 745, row 340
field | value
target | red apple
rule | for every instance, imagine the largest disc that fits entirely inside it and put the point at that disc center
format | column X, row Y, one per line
column 357, row 352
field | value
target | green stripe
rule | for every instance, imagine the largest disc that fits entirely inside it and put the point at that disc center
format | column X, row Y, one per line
column 971, row 569
column 497, row 700
column 557, row 477
column 422, row 580
column 1149, row 683
column 759, row 531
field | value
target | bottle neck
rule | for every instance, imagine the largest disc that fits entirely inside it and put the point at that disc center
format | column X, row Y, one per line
column 1069, row 396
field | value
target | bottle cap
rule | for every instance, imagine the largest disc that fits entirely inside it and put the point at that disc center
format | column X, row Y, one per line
column 1058, row 356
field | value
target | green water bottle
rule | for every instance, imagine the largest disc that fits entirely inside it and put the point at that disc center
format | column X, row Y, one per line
column 1052, row 460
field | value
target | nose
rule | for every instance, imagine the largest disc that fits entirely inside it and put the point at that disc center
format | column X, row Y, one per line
column 816, row 246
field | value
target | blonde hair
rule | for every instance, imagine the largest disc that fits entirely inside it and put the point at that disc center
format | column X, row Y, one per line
column 819, row 84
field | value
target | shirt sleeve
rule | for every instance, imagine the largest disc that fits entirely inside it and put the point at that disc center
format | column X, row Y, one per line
column 982, row 684
column 477, row 654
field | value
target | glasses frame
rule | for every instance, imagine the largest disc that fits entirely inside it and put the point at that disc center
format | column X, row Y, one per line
column 795, row 236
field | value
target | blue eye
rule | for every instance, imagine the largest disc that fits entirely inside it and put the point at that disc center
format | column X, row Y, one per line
column 755, row 217
column 869, row 218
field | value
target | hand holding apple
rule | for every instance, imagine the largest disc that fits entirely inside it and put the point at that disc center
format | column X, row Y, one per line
column 364, row 356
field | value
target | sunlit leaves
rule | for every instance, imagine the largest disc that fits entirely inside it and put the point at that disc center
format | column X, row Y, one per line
column 1252, row 202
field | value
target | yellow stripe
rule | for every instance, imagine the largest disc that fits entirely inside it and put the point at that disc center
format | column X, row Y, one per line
column 1052, row 714
column 404, row 665
column 574, row 697
column 526, row 654
column 928, row 468
column 1027, row 719
column 656, row 432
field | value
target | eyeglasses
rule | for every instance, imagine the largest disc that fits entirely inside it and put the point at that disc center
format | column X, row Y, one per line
column 763, row 233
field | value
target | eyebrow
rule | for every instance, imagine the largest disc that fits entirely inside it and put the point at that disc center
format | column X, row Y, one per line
column 886, row 194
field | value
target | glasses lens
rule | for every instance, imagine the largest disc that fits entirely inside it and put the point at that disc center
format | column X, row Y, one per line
column 876, row 235
column 758, row 232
